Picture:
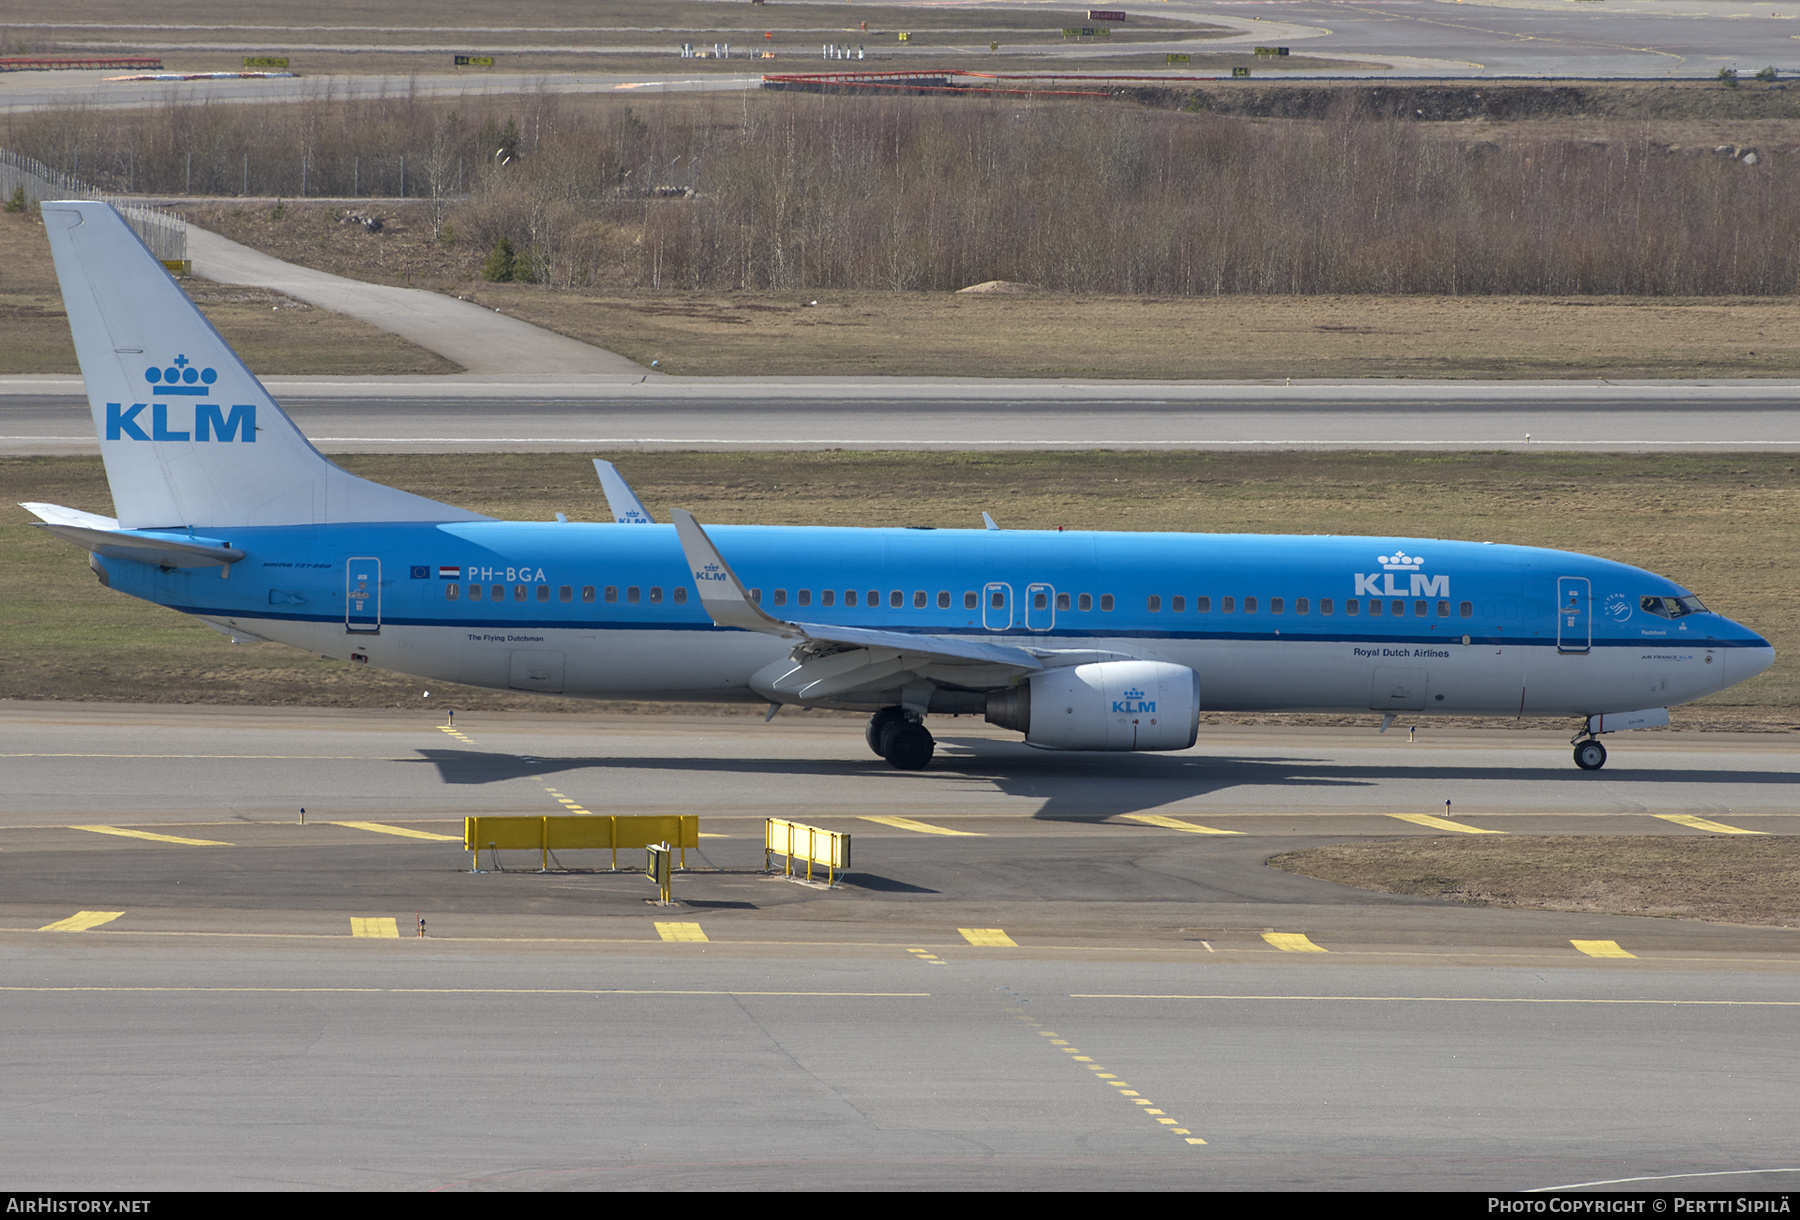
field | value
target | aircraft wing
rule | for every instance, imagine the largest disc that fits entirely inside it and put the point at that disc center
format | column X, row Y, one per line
column 886, row 652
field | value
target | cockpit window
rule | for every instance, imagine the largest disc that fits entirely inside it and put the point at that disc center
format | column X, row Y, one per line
column 1671, row 607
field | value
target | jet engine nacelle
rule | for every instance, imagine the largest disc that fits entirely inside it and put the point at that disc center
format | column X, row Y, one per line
column 1109, row 705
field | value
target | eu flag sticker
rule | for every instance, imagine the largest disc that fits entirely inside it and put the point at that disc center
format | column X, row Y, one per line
column 421, row 572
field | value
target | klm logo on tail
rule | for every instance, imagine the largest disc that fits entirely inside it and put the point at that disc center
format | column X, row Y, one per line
column 208, row 421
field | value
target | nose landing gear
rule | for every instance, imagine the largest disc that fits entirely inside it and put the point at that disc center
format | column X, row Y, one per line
column 897, row 736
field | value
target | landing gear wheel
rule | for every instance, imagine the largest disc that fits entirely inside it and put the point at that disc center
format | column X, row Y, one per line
column 907, row 745
column 878, row 723
column 1590, row 755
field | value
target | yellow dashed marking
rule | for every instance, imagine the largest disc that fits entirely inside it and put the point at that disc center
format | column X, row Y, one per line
column 144, row 834
column 1292, row 942
column 402, row 831
column 686, row 932
column 1711, row 827
column 1125, row 1090
column 381, row 927
column 444, row 728
column 1168, row 823
column 924, row 828
column 1601, row 948
column 567, row 803
column 1436, row 823
column 81, row 921
column 991, row 937
column 931, row 959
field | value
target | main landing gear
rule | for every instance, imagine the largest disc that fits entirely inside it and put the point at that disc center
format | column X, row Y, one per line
column 898, row 736
column 1590, row 755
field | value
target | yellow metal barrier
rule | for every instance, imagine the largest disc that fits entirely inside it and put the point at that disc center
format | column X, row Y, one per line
column 798, row 841
column 573, row 833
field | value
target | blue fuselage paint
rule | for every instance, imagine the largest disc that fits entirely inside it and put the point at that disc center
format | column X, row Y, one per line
column 1270, row 623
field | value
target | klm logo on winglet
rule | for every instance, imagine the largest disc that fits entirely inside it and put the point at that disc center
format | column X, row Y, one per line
column 1418, row 584
column 1134, row 702
column 209, row 421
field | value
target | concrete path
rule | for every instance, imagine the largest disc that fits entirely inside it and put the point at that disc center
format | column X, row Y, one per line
column 480, row 340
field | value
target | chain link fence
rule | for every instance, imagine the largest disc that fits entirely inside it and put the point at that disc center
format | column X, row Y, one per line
column 164, row 232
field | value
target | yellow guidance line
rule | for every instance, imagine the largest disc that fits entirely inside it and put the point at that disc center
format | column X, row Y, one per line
column 1711, row 827
column 1168, row 823
column 1601, row 948
column 686, row 932
column 144, row 834
column 924, row 828
column 993, row 938
column 81, row 921
column 402, row 831
column 1436, row 823
column 382, row 928
column 1292, row 942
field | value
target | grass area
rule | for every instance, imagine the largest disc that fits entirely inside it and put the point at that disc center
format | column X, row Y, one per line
column 275, row 334
column 1728, row 879
column 1058, row 335
column 1727, row 526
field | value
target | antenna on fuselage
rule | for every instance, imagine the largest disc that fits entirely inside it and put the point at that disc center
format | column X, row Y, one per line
column 621, row 501
column 988, row 521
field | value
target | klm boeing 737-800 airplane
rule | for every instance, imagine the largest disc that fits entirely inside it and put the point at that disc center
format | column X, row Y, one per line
column 1080, row 641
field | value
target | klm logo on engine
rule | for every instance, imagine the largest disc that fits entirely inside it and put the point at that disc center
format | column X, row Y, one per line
column 1382, row 584
column 1133, row 703
column 208, row 421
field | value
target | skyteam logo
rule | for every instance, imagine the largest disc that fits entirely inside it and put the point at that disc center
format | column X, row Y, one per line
column 1381, row 584
column 208, row 421
column 1134, row 702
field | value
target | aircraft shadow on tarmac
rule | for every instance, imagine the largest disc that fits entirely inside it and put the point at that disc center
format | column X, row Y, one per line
column 1084, row 787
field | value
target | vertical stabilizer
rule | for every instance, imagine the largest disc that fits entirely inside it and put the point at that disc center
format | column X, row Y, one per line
column 190, row 437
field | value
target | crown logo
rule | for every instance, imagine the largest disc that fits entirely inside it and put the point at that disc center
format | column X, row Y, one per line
column 1400, row 561
column 181, row 377
column 1133, row 694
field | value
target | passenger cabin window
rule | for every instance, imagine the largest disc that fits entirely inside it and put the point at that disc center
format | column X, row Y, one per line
column 1352, row 607
column 1062, row 601
column 1300, row 606
column 1249, row 605
column 1443, row 609
column 566, row 594
column 612, row 593
column 896, row 600
column 1324, row 605
column 1399, row 609
column 1420, row 608
column 756, row 597
column 1203, row 605
column 587, row 593
column 781, row 597
column 943, row 599
column 1041, row 600
column 920, row 599
column 1087, row 601
column 518, row 593
column 1275, row 605
column 474, row 593
column 681, row 596
column 1177, row 604
column 827, row 596
column 806, row 597
column 451, row 592
column 998, row 600
column 656, row 595
column 543, row 593
column 1154, row 605
column 498, row 593
column 633, row 594
column 1106, row 601
column 1228, row 605
column 1466, row 610
column 971, row 602
column 849, row 597
column 874, row 598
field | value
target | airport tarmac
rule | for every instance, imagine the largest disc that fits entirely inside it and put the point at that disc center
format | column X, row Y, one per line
column 1041, row 971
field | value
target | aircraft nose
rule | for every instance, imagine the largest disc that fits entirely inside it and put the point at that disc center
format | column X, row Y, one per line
column 1746, row 663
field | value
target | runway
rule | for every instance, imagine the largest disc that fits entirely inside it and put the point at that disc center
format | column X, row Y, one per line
column 40, row 415
column 1042, row 971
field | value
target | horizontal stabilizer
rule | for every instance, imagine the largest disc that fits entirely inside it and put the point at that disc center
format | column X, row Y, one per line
column 148, row 548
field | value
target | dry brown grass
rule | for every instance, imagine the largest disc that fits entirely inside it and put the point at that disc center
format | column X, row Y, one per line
column 1726, row 879
column 273, row 333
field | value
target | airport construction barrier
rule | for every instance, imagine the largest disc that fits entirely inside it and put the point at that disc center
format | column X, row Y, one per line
column 577, row 832
column 797, row 841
